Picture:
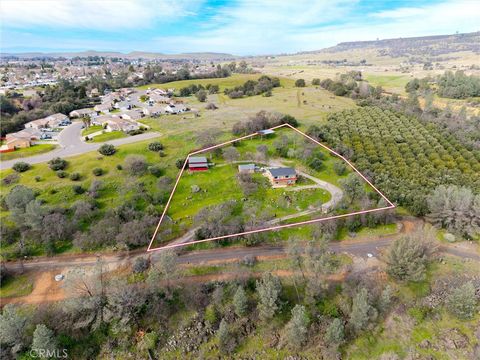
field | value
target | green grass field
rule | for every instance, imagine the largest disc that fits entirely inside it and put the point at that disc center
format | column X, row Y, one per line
column 26, row 152
column 395, row 83
column 107, row 136
column 16, row 286
column 91, row 129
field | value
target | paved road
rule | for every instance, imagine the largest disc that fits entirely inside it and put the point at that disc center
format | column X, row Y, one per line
column 71, row 144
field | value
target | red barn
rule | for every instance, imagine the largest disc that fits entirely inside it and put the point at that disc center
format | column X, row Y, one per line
column 197, row 163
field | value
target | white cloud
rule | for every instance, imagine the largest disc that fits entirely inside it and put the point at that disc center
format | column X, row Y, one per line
column 106, row 15
column 244, row 27
column 265, row 28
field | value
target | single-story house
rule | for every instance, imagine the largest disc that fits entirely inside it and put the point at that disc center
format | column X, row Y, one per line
column 246, row 168
column 57, row 119
column 123, row 105
column 159, row 92
column 175, row 108
column 12, row 142
column 159, row 98
column 104, row 107
column 117, row 124
column 37, row 124
column 82, row 113
column 283, row 176
column 100, row 120
column 135, row 114
column 197, row 163
column 154, row 110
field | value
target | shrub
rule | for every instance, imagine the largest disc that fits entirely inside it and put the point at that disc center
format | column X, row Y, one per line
column 155, row 146
column 136, row 164
column 38, row 178
column 21, row 167
column 162, row 153
column 201, row 95
column 340, row 168
column 211, row 314
column 62, row 174
column 179, row 163
column 97, row 171
column 315, row 81
column 57, row 164
column 10, row 179
column 315, row 163
column 155, row 170
column 140, row 265
column 75, row 176
column 211, row 106
column 107, row 149
column 300, row 83
column 78, row 189
column 119, row 167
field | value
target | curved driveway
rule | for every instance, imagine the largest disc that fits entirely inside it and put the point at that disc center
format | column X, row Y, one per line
column 71, row 144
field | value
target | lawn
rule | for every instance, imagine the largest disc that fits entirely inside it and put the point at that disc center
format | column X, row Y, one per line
column 15, row 286
column 220, row 184
column 395, row 83
column 92, row 129
column 107, row 136
column 26, row 152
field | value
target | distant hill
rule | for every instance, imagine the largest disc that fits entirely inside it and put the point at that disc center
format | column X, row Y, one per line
column 424, row 46
column 205, row 56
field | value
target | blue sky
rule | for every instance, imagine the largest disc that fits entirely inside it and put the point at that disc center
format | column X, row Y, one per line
column 242, row 27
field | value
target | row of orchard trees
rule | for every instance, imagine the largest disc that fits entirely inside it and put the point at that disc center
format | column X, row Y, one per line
column 406, row 158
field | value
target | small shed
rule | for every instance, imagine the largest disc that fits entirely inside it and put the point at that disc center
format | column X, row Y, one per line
column 266, row 132
column 197, row 163
column 246, row 168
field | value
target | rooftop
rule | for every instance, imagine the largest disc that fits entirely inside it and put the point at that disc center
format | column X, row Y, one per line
column 197, row 159
column 282, row 172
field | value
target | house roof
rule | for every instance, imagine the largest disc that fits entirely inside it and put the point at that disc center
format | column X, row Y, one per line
column 56, row 117
column 266, row 132
column 286, row 171
column 246, row 167
column 197, row 160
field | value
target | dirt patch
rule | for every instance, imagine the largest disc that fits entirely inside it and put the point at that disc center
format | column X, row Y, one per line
column 45, row 289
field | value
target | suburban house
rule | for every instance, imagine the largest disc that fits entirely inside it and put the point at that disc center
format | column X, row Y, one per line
column 154, row 110
column 123, row 105
column 118, row 124
column 246, row 168
column 159, row 98
column 134, row 115
column 57, row 120
column 51, row 121
column 37, row 124
column 197, row 163
column 175, row 108
column 82, row 113
column 104, row 107
column 14, row 141
column 280, row 177
column 100, row 120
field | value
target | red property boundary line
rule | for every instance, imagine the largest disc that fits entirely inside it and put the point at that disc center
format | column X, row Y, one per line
column 390, row 204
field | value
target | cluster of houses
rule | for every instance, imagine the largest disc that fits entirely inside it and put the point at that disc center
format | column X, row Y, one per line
column 36, row 130
column 118, row 111
column 121, row 110
column 278, row 176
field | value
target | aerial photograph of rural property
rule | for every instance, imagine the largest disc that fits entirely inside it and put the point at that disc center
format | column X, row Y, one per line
column 240, row 179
